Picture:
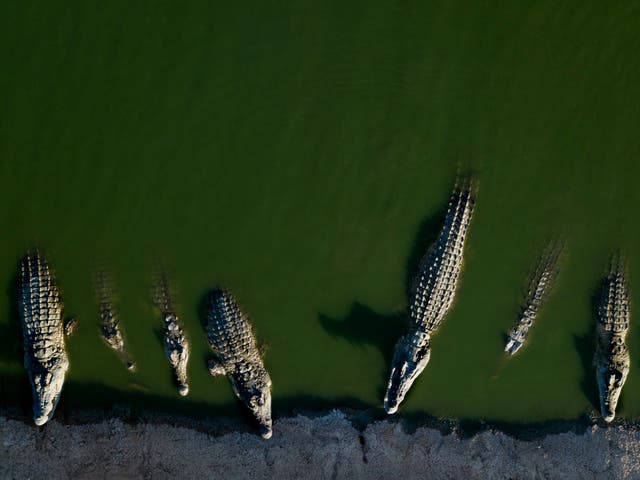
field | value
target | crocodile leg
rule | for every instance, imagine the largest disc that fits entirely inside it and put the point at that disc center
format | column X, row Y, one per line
column 215, row 368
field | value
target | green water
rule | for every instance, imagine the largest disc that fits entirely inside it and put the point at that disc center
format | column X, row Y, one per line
column 301, row 153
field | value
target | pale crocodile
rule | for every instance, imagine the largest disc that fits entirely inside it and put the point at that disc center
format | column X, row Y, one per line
column 43, row 330
column 175, row 342
column 431, row 296
column 237, row 356
column 612, row 359
column 109, row 319
column 538, row 291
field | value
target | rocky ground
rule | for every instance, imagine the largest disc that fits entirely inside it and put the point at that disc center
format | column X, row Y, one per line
column 328, row 447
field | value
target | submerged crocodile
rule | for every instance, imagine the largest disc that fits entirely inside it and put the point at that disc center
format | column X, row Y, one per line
column 45, row 357
column 237, row 356
column 430, row 296
column 176, row 344
column 539, row 287
column 612, row 359
column 109, row 321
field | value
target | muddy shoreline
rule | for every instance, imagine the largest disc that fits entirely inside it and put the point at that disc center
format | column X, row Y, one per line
column 336, row 444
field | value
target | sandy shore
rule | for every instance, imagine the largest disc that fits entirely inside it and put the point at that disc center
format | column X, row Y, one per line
column 328, row 447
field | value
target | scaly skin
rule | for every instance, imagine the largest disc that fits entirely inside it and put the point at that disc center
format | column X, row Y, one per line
column 612, row 359
column 430, row 297
column 237, row 356
column 538, row 291
column 176, row 344
column 45, row 357
column 109, row 321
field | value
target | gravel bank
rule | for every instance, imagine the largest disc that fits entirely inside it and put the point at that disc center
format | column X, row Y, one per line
column 301, row 447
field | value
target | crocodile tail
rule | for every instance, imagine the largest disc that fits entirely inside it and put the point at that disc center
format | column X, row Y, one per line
column 547, row 268
column 466, row 186
column 162, row 291
column 618, row 265
column 103, row 284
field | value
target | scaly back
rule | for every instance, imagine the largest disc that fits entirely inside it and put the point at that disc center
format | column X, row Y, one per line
column 434, row 286
column 228, row 329
column 39, row 300
column 613, row 310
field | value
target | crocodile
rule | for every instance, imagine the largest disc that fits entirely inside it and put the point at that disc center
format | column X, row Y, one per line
column 109, row 319
column 45, row 357
column 538, row 291
column 431, row 295
column 237, row 356
column 175, row 342
column 612, row 360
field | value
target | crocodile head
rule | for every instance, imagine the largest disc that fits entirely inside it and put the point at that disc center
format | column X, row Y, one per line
column 412, row 353
column 47, row 386
column 255, row 391
column 612, row 375
column 183, row 389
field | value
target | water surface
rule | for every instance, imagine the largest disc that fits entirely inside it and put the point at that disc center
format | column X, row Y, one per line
column 302, row 155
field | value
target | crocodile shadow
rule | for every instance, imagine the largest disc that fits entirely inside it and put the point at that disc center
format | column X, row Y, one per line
column 426, row 236
column 586, row 347
column 10, row 331
column 203, row 311
column 363, row 326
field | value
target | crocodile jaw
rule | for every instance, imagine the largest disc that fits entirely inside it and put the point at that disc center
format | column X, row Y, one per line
column 260, row 406
column 183, row 389
column 610, row 383
column 512, row 346
column 255, row 393
column 411, row 356
column 47, row 387
column 263, row 415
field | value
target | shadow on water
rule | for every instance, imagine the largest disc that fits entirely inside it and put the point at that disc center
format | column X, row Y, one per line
column 363, row 326
column 83, row 402
column 94, row 402
column 158, row 332
column 10, row 331
column 203, row 310
column 586, row 348
column 469, row 427
column 426, row 236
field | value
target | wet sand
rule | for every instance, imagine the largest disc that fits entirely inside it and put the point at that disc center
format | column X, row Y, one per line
column 327, row 446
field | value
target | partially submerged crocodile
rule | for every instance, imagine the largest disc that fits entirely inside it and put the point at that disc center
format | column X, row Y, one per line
column 237, row 356
column 431, row 296
column 539, row 287
column 612, row 359
column 176, row 344
column 43, row 330
column 109, row 320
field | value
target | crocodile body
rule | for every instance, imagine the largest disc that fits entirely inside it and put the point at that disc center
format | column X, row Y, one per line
column 237, row 356
column 109, row 318
column 431, row 294
column 612, row 359
column 175, row 343
column 538, row 291
column 45, row 356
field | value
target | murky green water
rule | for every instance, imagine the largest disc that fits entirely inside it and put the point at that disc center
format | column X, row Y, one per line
column 301, row 154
